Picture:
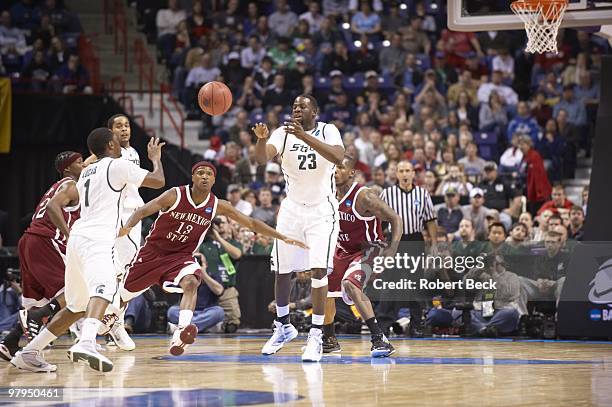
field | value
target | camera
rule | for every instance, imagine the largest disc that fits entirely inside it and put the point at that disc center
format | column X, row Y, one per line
column 217, row 221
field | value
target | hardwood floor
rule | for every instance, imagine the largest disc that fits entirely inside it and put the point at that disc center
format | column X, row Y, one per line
column 221, row 370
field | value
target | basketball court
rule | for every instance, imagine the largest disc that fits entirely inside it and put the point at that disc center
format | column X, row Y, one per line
column 222, row 370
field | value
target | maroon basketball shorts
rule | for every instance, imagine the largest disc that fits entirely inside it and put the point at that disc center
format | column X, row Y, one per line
column 42, row 263
column 356, row 268
column 151, row 267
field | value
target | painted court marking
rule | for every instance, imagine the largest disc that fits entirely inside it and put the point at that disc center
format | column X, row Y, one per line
column 348, row 360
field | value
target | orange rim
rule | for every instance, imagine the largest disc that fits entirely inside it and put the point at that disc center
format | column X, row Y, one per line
column 551, row 9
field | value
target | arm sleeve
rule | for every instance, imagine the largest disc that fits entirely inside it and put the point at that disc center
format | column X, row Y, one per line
column 277, row 139
column 122, row 172
column 332, row 135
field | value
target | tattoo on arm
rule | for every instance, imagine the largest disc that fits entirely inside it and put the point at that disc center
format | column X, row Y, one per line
column 371, row 205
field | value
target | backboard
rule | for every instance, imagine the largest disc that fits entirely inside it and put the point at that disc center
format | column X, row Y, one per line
column 495, row 15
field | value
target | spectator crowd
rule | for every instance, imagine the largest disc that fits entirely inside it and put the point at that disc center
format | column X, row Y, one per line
column 39, row 42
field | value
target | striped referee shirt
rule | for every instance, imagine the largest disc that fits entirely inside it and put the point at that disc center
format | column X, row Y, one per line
column 414, row 207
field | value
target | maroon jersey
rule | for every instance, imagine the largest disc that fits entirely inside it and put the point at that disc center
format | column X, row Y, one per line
column 181, row 229
column 356, row 232
column 41, row 225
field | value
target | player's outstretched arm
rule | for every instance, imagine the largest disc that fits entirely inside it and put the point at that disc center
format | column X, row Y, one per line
column 370, row 204
column 226, row 209
column 67, row 195
column 332, row 153
column 264, row 152
column 155, row 179
column 162, row 202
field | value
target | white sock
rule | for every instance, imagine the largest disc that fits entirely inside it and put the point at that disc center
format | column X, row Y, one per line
column 44, row 338
column 89, row 330
column 185, row 316
column 318, row 319
column 282, row 311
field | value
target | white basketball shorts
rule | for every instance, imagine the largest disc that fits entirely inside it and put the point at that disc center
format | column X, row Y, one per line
column 127, row 246
column 90, row 272
column 317, row 226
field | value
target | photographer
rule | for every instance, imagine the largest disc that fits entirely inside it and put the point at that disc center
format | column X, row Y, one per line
column 440, row 317
column 546, row 279
column 10, row 301
column 207, row 311
column 495, row 311
column 221, row 251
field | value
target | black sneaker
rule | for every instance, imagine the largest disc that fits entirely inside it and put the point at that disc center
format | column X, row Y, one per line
column 330, row 344
column 381, row 347
column 7, row 351
column 31, row 327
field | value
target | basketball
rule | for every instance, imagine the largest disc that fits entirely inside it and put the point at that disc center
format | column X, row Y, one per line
column 215, row 98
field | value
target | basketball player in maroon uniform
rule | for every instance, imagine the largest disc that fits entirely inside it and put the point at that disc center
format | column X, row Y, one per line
column 166, row 258
column 42, row 251
column 359, row 241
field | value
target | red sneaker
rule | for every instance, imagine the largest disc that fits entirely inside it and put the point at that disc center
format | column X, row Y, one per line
column 182, row 338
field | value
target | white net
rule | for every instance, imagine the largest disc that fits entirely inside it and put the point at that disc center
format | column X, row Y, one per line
column 542, row 20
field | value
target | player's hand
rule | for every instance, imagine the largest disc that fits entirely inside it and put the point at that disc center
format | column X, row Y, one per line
column 294, row 127
column 124, row 232
column 295, row 243
column 154, row 149
column 261, row 131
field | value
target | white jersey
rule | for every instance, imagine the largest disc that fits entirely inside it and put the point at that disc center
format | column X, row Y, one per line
column 309, row 176
column 132, row 199
column 102, row 189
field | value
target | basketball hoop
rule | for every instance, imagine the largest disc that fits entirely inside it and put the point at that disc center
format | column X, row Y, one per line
column 542, row 19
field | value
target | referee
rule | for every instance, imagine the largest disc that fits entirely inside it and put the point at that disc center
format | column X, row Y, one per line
column 413, row 204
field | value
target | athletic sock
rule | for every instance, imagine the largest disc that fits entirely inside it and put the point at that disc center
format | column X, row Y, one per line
column 282, row 314
column 11, row 340
column 44, row 338
column 317, row 321
column 328, row 330
column 89, row 330
column 375, row 330
column 46, row 311
column 185, row 316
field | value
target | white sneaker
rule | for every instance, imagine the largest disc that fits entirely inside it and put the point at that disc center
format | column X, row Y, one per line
column 121, row 337
column 33, row 361
column 282, row 335
column 87, row 351
column 75, row 331
column 314, row 346
column 181, row 338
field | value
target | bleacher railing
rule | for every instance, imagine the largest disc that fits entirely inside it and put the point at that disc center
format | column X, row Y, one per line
column 141, row 57
column 165, row 89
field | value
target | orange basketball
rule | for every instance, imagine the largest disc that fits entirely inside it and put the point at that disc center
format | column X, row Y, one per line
column 215, row 98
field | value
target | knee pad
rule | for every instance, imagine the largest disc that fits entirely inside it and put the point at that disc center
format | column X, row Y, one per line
column 318, row 283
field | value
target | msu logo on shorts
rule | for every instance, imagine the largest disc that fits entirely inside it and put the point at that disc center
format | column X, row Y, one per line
column 100, row 289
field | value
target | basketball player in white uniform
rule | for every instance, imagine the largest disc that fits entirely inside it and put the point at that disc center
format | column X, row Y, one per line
column 125, row 247
column 308, row 151
column 91, row 279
